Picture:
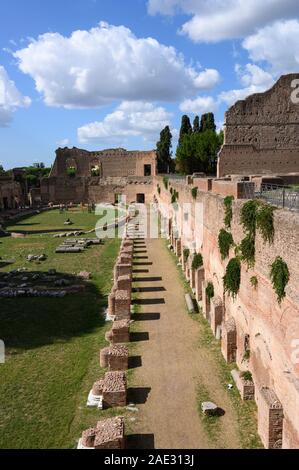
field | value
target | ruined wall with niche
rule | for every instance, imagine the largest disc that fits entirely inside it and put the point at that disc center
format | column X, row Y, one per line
column 262, row 133
column 268, row 328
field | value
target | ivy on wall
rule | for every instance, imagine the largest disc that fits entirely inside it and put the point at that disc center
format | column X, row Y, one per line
column 194, row 192
column 265, row 222
column 280, row 277
column 210, row 293
column 254, row 282
column 158, row 189
column 232, row 277
column 228, row 211
column 165, row 182
column 186, row 254
column 225, row 242
column 174, row 197
column 197, row 261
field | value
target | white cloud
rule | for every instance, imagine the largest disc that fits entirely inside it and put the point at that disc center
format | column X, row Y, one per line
column 108, row 63
column 201, row 105
column 253, row 79
column 216, row 20
column 10, row 98
column 63, row 143
column 130, row 119
column 277, row 44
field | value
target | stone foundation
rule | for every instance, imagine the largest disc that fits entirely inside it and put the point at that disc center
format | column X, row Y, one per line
column 108, row 434
column 122, row 305
column 229, row 340
column 270, row 418
column 113, row 389
column 115, row 357
column 120, row 332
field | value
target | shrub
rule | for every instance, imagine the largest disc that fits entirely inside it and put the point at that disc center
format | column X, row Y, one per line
column 280, row 277
column 210, row 291
column 225, row 242
column 186, row 254
column 165, row 182
column 249, row 215
column 194, row 192
column 247, row 376
column 228, row 211
column 197, row 261
column 232, row 277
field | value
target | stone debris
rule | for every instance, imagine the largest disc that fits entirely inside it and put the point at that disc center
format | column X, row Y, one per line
column 85, row 275
column 115, row 357
column 209, row 408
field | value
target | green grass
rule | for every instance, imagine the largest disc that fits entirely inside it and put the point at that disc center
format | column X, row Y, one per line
column 246, row 410
column 54, row 221
column 52, row 345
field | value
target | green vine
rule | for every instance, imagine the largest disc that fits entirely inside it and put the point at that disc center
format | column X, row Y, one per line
column 280, row 277
column 174, row 197
column 165, row 182
column 225, row 242
column 186, row 254
column 228, row 211
column 197, row 261
column 158, row 189
column 194, row 192
column 171, row 190
column 254, row 282
column 265, row 222
column 247, row 248
column 247, row 376
column 248, row 216
column 210, row 291
column 232, row 277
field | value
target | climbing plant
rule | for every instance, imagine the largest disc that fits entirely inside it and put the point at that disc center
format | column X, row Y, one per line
column 248, row 216
column 194, row 192
column 197, row 261
column 210, row 291
column 158, row 189
column 225, row 242
column 247, row 376
column 186, row 254
column 265, row 221
column 254, row 282
column 165, row 182
column 247, row 249
column 232, row 277
column 174, row 197
column 280, row 277
column 228, row 211
column 71, row 171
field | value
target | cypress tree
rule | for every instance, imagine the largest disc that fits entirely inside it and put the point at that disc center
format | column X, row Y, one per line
column 196, row 125
column 186, row 128
column 207, row 122
column 164, row 160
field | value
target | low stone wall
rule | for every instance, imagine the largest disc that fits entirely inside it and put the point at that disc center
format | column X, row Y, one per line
column 108, row 434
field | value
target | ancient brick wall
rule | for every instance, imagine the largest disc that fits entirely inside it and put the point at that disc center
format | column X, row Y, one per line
column 268, row 329
column 262, row 133
column 11, row 195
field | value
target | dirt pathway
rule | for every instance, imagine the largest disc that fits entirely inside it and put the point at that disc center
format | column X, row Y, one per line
column 172, row 363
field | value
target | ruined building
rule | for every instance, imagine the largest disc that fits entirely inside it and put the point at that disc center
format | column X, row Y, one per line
column 261, row 133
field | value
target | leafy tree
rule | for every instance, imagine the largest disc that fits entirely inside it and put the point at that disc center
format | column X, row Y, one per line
column 2, row 171
column 164, row 152
column 196, row 125
column 207, row 122
column 185, row 155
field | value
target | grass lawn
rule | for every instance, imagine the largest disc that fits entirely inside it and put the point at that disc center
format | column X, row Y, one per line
column 52, row 344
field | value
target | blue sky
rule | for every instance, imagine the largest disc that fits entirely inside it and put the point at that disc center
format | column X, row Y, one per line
column 111, row 85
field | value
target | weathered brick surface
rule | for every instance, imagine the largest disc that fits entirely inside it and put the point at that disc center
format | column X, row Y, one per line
column 199, row 279
column 122, row 304
column 216, row 313
column 108, row 434
column 120, row 332
column 270, row 418
column 229, row 340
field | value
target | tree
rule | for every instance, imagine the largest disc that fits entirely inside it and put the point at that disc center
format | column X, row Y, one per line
column 164, row 153
column 186, row 128
column 2, row 171
column 185, row 155
column 196, row 125
column 207, row 122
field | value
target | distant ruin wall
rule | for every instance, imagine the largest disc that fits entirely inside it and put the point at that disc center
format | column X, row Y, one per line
column 262, row 133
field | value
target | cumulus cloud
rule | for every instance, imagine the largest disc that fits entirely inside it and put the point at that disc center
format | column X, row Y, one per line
column 276, row 44
column 108, row 63
column 129, row 119
column 253, row 80
column 216, row 20
column 10, row 98
column 201, row 105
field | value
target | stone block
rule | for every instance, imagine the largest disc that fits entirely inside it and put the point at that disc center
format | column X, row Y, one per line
column 206, row 304
column 124, row 283
column 115, row 357
column 245, row 387
column 120, row 332
column 122, row 305
column 108, row 434
column 114, row 389
column 199, row 279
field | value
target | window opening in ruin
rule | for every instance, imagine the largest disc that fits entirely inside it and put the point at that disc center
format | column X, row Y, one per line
column 140, row 198
column 147, row 170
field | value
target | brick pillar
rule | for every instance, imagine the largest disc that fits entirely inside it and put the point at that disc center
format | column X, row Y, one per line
column 122, row 305
column 216, row 313
column 270, row 418
column 199, row 279
column 123, row 270
column 179, row 248
column 192, row 278
column 229, row 340
column 206, row 305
